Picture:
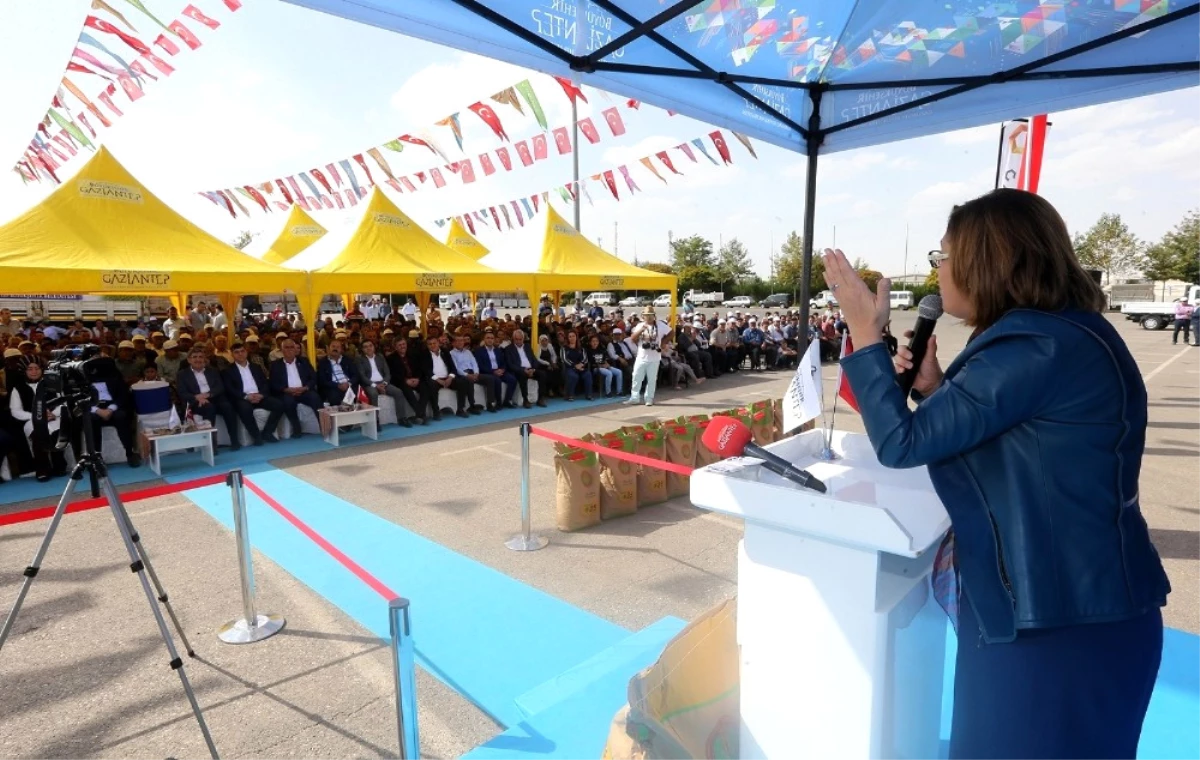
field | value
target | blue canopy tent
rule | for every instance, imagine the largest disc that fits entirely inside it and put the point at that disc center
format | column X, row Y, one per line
column 818, row 76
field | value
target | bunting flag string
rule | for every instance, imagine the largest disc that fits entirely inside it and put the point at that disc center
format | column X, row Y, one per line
column 519, row 97
column 570, row 191
column 111, row 48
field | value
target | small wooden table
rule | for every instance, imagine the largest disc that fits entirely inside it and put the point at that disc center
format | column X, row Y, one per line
column 367, row 417
column 204, row 441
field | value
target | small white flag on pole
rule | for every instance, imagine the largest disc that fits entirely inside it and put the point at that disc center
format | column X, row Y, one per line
column 803, row 400
column 348, row 399
column 173, row 422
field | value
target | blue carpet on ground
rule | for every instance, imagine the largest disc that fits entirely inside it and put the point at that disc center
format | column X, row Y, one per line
column 488, row 636
column 176, row 466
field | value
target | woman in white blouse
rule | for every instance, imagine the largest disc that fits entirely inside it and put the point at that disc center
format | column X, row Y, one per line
column 47, row 460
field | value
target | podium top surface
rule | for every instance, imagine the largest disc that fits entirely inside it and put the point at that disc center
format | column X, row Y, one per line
column 867, row 505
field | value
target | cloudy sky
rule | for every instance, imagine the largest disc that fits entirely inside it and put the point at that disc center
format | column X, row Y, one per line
column 279, row 89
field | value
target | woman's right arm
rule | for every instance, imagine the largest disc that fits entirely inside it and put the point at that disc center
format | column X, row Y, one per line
column 17, row 408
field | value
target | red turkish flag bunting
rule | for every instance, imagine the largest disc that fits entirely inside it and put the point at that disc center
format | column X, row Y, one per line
column 517, row 211
column 437, row 177
column 257, row 196
column 106, row 98
column 611, row 181
column 283, row 189
column 470, row 223
column 416, row 141
column 631, row 103
column 505, row 159
column 233, row 5
column 337, row 198
column 321, row 178
column 613, row 117
column 523, row 152
column 486, row 162
column 589, row 131
column 408, row 185
column 571, row 90
column 167, row 44
column 488, row 114
column 194, row 14
column 185, row 34
column 466, row 171
column 666, row 159
column 562, row 141
column 292, row 183
column 327, row 203
column 539, row 147
column 495, row 217
column 363, row 163
column 534, row 198
column 722, row 147
column 392, row 183
column 350, row 196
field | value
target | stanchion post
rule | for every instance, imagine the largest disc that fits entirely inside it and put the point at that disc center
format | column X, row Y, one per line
column 253, row 625
column 404, row 669
column 525, row 541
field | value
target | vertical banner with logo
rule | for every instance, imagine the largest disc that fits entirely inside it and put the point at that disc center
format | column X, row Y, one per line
column 1037, row 143
column 1010, row 163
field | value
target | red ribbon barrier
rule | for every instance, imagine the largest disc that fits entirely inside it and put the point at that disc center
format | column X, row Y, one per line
column 40, row 513
column 359, row 572
column 657, row 464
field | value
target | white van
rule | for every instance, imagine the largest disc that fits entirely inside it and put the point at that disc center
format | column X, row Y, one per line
column 600, row 299
column 663, row 301
column 902, row 299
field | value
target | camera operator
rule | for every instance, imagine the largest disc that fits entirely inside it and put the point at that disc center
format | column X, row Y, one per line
column 113, row 408
column 47, row 460
column 201, row 388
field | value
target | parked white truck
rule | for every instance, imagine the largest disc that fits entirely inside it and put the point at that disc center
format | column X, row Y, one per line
column 703, row 300
column 1155, row 315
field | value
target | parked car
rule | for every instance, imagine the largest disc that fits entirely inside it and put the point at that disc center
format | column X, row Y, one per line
column 777, row 301
column 600, row 298
column 632, row 302
column 744, row 302
column 663, row 301
column 824, row 299
column 902, row 299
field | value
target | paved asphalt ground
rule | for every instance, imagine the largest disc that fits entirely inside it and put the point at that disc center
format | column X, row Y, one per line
column 85, row 674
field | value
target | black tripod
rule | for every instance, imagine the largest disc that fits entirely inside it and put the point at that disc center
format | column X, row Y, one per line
column 78, row 409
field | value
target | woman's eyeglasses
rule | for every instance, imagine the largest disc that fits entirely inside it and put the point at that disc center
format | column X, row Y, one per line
column 936, row 258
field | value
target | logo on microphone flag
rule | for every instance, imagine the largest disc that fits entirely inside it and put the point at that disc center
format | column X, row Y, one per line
column 804, row 399
column 843, row 385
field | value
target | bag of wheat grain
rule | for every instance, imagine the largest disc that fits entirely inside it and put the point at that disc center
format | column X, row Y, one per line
column 618, row 477
column 652, row 482
column 681, row 449
column 577, row 492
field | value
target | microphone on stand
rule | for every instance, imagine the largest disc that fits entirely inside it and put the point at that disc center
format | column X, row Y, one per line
column 729, row 437
column 928, row 312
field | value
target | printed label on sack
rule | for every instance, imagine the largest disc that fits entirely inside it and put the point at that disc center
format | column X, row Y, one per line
column 110, row 191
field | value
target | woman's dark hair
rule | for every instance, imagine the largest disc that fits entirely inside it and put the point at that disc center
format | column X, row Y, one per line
column 1010, row 249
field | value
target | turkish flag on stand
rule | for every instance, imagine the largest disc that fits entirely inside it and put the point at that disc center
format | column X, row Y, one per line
column 486, row 162
column 562, row 141
column 488, row 114
column 362, row 396
column 523, row 152
column 613, row 117
column 505, row 159
column 539, row 147
column 589, row 130
column 843, row 385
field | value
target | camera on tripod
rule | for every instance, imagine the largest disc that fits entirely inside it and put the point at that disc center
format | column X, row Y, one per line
column 69, row 371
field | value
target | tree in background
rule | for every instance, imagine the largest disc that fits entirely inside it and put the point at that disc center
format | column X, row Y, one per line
column 242, row 240
column 931, row 281
column 655, row 266
column 789, row 267
column 694, row 263
column 1108, row 246
column 868, row 275
column 1177, row 255
column 733, row 263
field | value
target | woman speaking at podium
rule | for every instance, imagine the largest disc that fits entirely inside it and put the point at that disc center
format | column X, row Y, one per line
column 1033, row 438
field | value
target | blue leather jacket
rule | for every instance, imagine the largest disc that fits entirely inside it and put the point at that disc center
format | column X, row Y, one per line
column 1034, row 444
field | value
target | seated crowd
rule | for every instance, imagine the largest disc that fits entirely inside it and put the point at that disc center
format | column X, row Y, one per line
column 380, row 350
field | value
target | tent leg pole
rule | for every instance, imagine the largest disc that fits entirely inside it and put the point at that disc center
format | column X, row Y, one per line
column 810, row 206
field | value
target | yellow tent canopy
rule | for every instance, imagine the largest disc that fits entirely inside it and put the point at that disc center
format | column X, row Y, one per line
column 389, row 252
column 102, row 231
column 566, row 260
column 464, row 242
column 298, row 232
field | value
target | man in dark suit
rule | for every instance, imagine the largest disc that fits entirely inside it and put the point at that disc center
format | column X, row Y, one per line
column 113, row 408
column 492, row 362
column 407, row 375
column 439, row 373
column 376, row 378
column 247, row 386
column 294, row 381
column 523, row 365
column 336, row 374
column 200, row 388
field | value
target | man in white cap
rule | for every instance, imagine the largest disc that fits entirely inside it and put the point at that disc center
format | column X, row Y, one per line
column 648, row 338
column 621, row 354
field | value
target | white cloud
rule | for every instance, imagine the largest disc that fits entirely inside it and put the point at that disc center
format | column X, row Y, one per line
column 937, row 198
column 972, row 136
column 631, row 154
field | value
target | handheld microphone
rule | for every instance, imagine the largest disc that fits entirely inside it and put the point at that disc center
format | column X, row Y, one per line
column 729, row 437
column 928, row 312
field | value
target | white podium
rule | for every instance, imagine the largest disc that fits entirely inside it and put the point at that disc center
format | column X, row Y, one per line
column 842, row 643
